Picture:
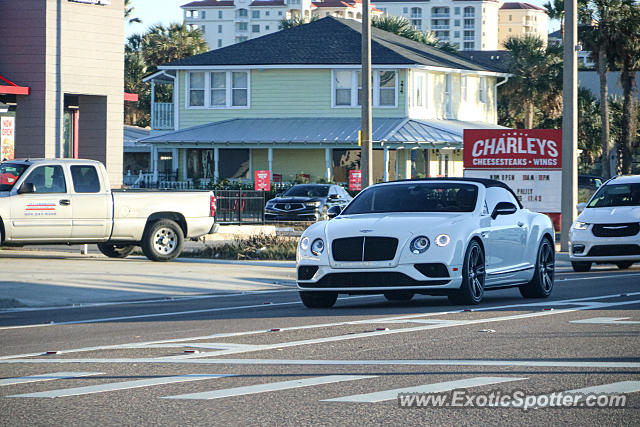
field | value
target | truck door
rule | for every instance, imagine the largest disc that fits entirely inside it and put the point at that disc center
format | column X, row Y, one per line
column 91, row 202
column 45, row 214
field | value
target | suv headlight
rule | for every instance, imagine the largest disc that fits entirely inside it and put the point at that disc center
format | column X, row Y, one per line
column 419, row 244
column 578, row 225
column 317, row 247
column 313, row 204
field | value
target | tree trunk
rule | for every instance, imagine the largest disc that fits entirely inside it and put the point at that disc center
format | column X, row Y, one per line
column 629, row 116
column 604, row 113
column 528, row 114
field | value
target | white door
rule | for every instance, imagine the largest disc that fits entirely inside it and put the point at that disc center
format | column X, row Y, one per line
column 44, row 215
column 91, row 204
column 506, row 236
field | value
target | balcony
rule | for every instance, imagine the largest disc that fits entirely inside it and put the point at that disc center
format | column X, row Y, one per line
column 469, row 38
column 469, row 15
column 440, row 27
column 440, row 15
column 162, row 116
column 469, row 26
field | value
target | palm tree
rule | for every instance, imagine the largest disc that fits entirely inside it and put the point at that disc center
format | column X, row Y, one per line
column 402, row 27
column 294, row 22
column 166, row 44
column 537, row 78
column 128, row 10
column 555, row 10
column 627, row 55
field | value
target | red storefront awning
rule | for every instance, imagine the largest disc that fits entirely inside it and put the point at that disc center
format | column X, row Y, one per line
column 11, row 88
column 130, row 96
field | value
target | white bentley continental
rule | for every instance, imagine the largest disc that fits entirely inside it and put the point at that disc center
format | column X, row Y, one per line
column 456, row 237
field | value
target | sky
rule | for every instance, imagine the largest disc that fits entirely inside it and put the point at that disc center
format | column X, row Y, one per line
column 167, row 11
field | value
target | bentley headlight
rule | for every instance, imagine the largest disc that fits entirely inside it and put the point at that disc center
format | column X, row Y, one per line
column 419, row 244
column 580, row 225
column 304, row 243
column 443, row 240
column 317, row 247
column 313, row 204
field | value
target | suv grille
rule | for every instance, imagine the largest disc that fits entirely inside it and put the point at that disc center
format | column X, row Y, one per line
column 292, row 206
column 364, row 248
column 616, row 230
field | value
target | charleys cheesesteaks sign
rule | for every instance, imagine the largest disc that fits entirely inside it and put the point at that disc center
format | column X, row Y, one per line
column 527, row 160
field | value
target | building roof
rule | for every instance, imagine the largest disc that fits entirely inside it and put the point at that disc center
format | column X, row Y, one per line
column 207, row 3
column 131, row 136
column 516, row 5
column 328, row 41
column 321, row 131
column 491, row 58
column 428, row 1
column 334, row 3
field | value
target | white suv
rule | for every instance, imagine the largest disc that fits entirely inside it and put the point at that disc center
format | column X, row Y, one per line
column 608, row 230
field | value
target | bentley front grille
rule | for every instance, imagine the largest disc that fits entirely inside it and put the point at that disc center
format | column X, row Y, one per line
column 364, row 248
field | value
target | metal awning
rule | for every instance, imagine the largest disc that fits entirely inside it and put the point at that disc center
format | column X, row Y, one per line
column 10, row 88
column 323, row 132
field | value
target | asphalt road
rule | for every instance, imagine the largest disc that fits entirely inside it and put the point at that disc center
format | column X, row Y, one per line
column 239, row 348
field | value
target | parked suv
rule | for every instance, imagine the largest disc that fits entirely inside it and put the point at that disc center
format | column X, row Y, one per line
column 608, row 230
column 306, row 202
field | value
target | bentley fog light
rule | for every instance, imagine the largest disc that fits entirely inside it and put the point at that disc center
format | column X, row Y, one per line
column 443, row 240
column 419, row 244
column 304, row 243
column 317, row 247
column 580, row 225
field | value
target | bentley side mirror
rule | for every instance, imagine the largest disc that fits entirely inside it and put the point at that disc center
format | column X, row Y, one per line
column 503, row 208
column 334, row 211
column 26, row 188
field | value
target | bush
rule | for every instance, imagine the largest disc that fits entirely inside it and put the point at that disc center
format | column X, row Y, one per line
column 259, row 247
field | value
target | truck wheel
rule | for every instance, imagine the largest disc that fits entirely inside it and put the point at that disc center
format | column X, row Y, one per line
column 318, row 299
column 115, row 251
column 162, row 241
column 541, row 284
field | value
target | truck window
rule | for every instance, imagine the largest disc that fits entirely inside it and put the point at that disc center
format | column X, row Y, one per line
column 85, row 179
column 47, row 179
column 9, row 174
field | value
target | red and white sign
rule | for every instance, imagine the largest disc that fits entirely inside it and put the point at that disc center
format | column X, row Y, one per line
column 263, row 180
column 512, row 149
column 355, row 180
column 7, row 138
column 527, row 160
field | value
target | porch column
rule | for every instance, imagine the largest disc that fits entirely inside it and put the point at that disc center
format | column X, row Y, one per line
column 185, row 173
column 154, row 162
column 397, row 163
column 327, row 162
column 386, row 164
column 270, row 157
column 407, row 164
column 216, row 164
column 153, row 100
column 174, row 161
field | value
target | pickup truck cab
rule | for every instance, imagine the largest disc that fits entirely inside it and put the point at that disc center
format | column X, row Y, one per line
column 70, row 201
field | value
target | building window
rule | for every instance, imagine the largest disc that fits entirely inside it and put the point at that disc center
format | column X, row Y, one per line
column 202, row 28
column 469, row 45
column 469, row 23
column 456, row 34
column 219, row 14
column 266, row 27
column 419, row 91
column 416, row 12
column 463, row 88
column 243, row 13
column 456, row 22
column 456, row 11
column 482, row 90
column 279, row 13
column 347, row 88
column 510, row 17
column 240, row 39
column 255, row 28
column 469, row 35
column 219, row 42
column 255, row 14
column 448, row 92
column 202, row 14
column 416, row 23
column 469, row 12
column 242, row 26
column 405, row 10
column 218, row 89
column 266, row 13
column 219, row 28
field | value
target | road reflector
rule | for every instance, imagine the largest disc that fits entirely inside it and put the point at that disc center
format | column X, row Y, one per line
column 274, row 330
column 51, row 352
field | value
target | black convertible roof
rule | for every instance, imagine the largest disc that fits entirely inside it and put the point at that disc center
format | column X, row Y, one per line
column 484, row 181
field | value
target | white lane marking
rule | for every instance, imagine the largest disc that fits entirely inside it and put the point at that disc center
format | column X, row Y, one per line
column 575, row 301
column 324, row 362
column 46, row 377
column 124, row 385
column 264, row 388
column 612, row 276
column 381, row 396
column 607, row 321
column 613, row 388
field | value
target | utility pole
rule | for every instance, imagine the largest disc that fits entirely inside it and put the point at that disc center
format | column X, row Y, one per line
column 366, row 154
column 569, row 121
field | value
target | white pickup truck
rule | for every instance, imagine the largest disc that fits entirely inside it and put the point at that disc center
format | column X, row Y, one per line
column 70, row 201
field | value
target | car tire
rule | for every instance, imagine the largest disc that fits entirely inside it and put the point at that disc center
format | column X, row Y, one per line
column 318, row 299
column 541, row 284
column 162, row 240
column 115, row 251
column 473, row 277
column 581, row 266
column 399, row 295
column 623, row 265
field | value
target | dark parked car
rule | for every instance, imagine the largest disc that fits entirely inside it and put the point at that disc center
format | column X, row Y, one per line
column 306, row 202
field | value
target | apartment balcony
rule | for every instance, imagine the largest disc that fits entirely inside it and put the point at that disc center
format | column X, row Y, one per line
column 469, row 15
column 440, row 27
column 469, row 26
column 162, row 116
column 469, row 38
column 440, row 15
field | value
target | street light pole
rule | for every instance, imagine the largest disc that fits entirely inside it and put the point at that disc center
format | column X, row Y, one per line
column 366, row 153
column 569, row 122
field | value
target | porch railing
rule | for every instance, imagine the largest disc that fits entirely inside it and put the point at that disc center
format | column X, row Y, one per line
column 162, row 115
